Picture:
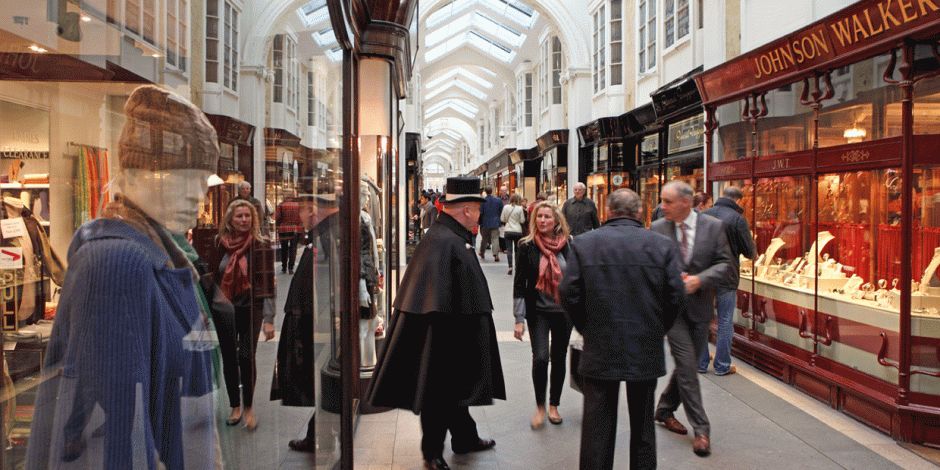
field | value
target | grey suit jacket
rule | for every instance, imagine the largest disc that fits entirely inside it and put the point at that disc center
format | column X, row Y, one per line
column 711, row 262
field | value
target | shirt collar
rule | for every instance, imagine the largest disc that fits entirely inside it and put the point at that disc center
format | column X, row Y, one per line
column 690, row 219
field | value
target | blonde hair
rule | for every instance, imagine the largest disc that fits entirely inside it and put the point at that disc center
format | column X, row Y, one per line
column 561, row 225
column 225, row 227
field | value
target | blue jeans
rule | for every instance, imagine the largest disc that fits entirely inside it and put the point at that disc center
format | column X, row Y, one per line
column 724, row 304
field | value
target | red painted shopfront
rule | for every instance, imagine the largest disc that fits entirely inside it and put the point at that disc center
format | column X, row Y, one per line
column 833, row 132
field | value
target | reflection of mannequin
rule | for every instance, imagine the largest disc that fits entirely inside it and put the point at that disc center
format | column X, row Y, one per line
column 37, row 254
column 925, row 281
column 131, row 328
column 368, row 287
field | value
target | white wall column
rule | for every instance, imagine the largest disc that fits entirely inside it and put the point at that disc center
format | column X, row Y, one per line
column 252, row 105
column 577, row 83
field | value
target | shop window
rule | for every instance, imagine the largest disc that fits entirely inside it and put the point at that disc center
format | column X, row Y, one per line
column 598, row 68
column 861, row 99
column 616, row 43
column 646, row 35
column 675, row 21
column 222, row 44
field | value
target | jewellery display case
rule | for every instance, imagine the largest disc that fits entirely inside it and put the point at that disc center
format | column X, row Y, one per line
column 840, row 179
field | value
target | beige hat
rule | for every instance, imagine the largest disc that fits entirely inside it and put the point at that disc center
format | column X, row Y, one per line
column 164, row 131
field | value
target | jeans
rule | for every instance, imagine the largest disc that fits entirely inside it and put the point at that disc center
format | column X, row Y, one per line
column 725, row 304
column 540, row 325
column 511, row 240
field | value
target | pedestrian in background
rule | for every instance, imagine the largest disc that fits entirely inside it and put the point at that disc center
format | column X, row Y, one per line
column 490, row 211
column 514, row 216
column 580, row 211
column 741, row 243
column 623, row 290
column 289, row 229
column 539, row 265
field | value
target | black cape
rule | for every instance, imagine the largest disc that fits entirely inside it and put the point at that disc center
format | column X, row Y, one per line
column 441, row 345
column 295, row 368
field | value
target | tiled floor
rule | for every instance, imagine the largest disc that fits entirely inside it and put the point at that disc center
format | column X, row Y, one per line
column 757, row 423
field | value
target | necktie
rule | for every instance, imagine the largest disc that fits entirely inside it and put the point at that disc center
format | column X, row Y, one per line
column 686, row 256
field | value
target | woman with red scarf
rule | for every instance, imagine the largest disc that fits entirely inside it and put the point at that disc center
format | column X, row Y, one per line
column 244, row 269
column 540, row 260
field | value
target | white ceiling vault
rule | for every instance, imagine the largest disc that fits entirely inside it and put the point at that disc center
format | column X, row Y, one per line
column 467, row 57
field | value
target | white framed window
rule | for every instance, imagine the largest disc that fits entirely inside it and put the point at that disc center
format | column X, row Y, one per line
column 528, row 99
column 277, row 59
column 675, row 21
column 598, row 69
column 545, row 70
column 222, row 43
column 498, row 126
column 286, row 70
column 139, row 19
column 177, row 34
column 556, row 70
column 520, row 100
column 616, row 43
column 311, row 100
column 646, row 35
column 482, row 139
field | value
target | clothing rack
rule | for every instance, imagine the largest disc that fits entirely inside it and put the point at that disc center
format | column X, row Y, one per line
column 75, row 144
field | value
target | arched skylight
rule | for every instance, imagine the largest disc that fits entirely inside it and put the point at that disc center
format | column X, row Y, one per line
column 467, row 109
column 459, row 84
column 434, row 167
column 513, row 10
column 479, row 21
column 475, row 39
column 314, row 13
column 463, row 73
column 324, row 37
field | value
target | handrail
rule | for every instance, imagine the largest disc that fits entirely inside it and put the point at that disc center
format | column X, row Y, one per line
column 828, row 338
column 802, row 329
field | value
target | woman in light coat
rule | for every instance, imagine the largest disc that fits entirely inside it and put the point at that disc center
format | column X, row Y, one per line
column 514, row 216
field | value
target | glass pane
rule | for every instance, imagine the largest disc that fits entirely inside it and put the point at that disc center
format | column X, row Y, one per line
column 861, row 99
column 787, row 127
column 733, row 133
column 926, row 289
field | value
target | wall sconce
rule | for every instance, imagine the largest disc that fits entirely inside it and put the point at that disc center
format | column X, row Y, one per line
column 855, row 134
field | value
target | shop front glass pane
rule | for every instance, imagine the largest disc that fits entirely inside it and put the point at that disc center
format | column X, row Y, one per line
column 926, row 107
column 925, row 289
column 783, row 298
column 648, row 184
column 731, row 137
column 743, row 308
column 863, row 107
column 858, row 241
column 786, row 127
column 688, row 170
column 597, row 192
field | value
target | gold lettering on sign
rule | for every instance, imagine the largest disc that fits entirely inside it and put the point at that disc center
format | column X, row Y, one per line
column 872, row 22
column 789, row 55
column 783, row 164
column 855, row 156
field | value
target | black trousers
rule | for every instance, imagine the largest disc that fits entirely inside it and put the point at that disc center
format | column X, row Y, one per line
column 238, row 355
column 540, row 325
column 437, row 419
column 288, row 250
column 599, row 425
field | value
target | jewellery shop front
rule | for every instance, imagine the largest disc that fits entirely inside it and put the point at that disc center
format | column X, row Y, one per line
column 832, row 134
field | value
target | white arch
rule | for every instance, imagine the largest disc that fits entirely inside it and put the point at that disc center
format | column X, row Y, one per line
column 444, row 159
column 453, row 123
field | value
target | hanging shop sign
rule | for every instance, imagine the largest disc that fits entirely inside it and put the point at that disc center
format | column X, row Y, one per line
column 686, row 134
column 850, row 31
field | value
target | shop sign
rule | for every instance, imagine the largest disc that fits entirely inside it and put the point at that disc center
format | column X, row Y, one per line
column 790, row 163
column 729, row 170
column 885, row 151
column 850, row 30
column 686, row 134
column 13, row 227
column 11, row 257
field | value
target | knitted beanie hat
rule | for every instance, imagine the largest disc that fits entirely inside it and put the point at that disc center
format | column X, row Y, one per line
column 164, row 131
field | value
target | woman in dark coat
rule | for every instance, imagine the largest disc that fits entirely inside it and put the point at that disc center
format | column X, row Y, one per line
column 539, row 263
column 243, row 266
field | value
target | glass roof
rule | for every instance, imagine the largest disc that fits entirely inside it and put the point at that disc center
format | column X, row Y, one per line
column 459, row 84
column 467, row 109
column 475, row 39
column 451, row 133
column 324, row 37
column 463, row 73
column 512, row 10
column 314, row 13
column 479, row 21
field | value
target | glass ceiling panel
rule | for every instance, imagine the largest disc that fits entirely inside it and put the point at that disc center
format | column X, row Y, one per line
column 475, row 39
column 513, row 10
column 314, row 13
column 451, row 133
column 459, row 84
column 462, row 107
column 324, row 37
column 480, row 21
column 463, row 73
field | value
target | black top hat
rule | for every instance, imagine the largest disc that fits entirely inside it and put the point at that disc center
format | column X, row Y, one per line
column 463, row 188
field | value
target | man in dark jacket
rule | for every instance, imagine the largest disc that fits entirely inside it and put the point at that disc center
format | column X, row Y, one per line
column 442, row 355
column 741, row 242
column 706, row 264
column 490, row 211
column 580, row 211
column 623, row 290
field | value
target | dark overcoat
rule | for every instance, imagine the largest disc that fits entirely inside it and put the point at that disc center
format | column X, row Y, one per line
column 441, row 346
column 294, row 367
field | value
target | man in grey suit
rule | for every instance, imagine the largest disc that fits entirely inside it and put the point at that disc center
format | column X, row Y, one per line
column 707, row 263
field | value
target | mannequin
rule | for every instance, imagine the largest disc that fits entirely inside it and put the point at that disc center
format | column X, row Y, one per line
column 129, row 358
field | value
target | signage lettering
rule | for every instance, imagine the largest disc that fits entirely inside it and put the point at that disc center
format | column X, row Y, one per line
column 782, row 164
column 24, row 154
column 784, row 57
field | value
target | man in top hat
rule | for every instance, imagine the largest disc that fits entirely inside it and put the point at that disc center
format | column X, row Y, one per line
column 442, row 355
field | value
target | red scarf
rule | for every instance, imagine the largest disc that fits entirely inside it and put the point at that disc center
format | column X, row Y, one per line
column 235, row 282
column 549, row 270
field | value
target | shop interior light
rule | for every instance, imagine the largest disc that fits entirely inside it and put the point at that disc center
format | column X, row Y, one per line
column 86, row 18
column 214, row 180
column 38, row 49
column 855, row 134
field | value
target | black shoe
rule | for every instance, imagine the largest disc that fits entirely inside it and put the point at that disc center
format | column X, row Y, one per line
column 301, row 445
column 290, row 271
column 437, row 463
column 480, row 444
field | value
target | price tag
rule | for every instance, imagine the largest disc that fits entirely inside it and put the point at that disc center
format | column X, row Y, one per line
column 11, row 228
column 11, row 257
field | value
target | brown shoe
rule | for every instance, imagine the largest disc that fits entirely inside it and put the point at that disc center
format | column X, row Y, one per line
column 732, row 370
column 701, row 447
column 301, row 445
column 673, row 425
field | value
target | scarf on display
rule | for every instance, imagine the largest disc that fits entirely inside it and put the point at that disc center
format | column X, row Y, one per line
column 549, row 270
column 235, row 279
